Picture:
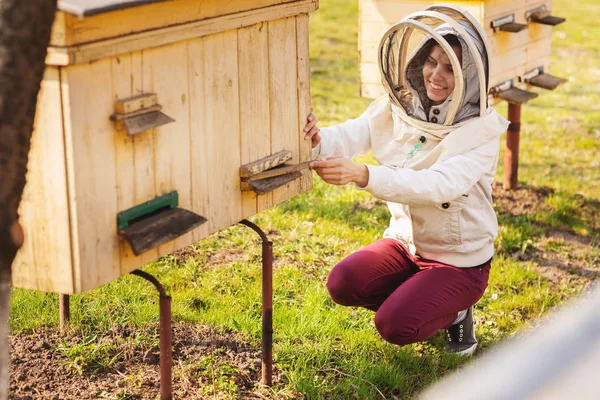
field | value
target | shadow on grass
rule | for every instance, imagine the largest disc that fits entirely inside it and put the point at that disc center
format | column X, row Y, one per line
column 369, row 212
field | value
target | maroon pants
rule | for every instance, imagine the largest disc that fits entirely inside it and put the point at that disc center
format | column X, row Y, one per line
column 413, row 298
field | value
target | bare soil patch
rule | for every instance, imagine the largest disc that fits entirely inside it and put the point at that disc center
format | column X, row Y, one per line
column 562, row 257
column 207, row 364
column 519, row 201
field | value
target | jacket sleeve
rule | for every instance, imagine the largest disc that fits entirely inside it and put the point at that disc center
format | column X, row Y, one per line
column 348, row 139
column 442, row 182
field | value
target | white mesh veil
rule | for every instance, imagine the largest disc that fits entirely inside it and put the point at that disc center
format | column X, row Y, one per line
column 402, row 73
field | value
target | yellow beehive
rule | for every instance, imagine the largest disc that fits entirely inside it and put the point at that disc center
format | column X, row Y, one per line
column 234, row 77
column 513, row 54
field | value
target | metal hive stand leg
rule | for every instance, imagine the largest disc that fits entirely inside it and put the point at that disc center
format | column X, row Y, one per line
column 267, row 305
column 165, row 318
column 511, row 156
column 166, row 353
column 65, row 311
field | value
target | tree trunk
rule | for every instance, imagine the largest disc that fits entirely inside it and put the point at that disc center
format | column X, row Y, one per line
column 24, row 36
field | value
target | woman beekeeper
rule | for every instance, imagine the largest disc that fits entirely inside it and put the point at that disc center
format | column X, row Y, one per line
column 437, row 141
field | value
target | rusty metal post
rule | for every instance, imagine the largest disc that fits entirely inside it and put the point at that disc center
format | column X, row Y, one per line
column 267, row 305
column 64, row 305
column 165, row 337
column 511, row 156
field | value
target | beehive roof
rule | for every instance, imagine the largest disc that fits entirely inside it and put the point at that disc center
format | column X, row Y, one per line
column 86, row 8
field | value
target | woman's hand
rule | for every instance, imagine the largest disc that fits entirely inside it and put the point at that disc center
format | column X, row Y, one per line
column 312, row 130
column 340, row 171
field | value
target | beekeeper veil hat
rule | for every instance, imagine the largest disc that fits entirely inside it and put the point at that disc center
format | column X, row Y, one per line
column 402, row 73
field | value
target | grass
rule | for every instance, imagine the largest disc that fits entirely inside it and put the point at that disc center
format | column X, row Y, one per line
column 325, row 351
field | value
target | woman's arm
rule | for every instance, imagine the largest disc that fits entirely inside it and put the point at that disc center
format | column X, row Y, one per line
column 440, row 183
column 347, row 139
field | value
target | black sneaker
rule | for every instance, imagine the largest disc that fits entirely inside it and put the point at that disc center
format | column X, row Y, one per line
column 460, row 337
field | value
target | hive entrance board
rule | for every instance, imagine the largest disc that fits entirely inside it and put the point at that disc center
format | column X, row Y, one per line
column 537, row 77
column 541, row 15
column 155, row 222
column 507, row 24
column 546, row 81
column 138, row 114
column 507, row 91
column 516, row 96
column 269, row 173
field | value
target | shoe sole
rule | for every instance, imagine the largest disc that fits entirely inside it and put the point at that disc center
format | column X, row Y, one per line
column 467, row 352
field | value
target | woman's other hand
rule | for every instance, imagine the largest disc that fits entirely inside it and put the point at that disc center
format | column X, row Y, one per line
column 340, row 171
column 311, row 130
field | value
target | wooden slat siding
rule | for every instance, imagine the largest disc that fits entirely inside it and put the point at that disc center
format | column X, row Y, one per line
column 170, row 34
column 199, row 137
column 142, row 163
column 167, row 70
column 510, row 52
column 91, row 172
column 519, row 9
column 60, row 32
column 283, row 96
column 255, row 133
column 498, row 8
column 265, row 201
column 370, row 73
column 222, row 130
column 371, row 90
column 394, row 11
column 151, row 16
column 502, row 42
column 517, row 58
column 125, row 172
column 44, row 262
column 305, row 146
column 143, row 160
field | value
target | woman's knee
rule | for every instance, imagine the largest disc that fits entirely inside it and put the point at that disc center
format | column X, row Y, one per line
column 394, row 330
column 342, row 285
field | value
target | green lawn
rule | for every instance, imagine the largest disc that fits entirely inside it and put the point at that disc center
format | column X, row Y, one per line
column 324, row 351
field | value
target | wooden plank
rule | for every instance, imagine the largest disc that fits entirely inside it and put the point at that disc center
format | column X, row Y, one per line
column 255, row 139
column 167, row 225
column 507, row 8
column 393, row 11
column 92, row 171
column 267, row 185
column 137, row 156
column 371, row 90
column 170, row 34
column 498, row 8
column 222, row 129
column 124, row 151
column 265, row 163
column 44, row 262
column 303, row 56
column 501, row 42
column 153, row 16
column 167, row 76
column 278, row 170
column 60, row 32
column 372, row 32
column 283, row 96
column 199, row 136
column 135, row 103
column 144, row 161
column 518, row 57
column 369, row 73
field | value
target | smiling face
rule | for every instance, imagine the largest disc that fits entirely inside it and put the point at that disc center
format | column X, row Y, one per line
column 438, row 74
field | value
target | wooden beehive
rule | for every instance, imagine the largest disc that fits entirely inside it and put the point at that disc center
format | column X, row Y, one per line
column 234, row 77
column 517, row 53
